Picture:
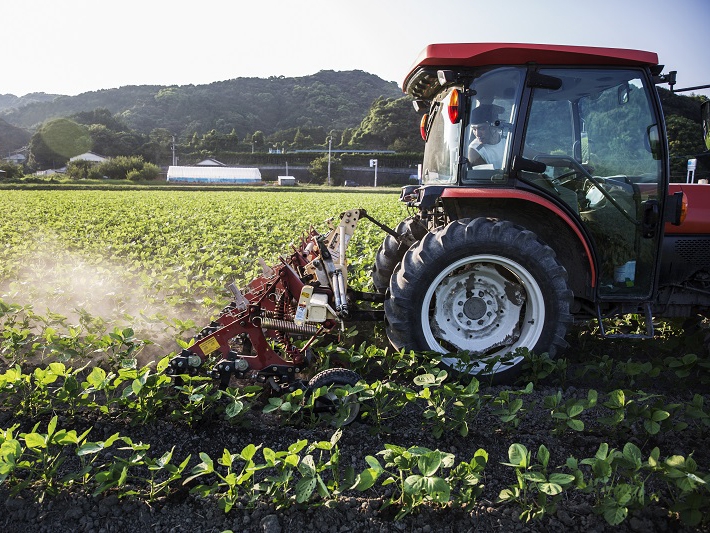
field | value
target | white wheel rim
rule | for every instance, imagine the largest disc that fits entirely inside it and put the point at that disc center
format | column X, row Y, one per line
column 349, row 402
column 485, row 304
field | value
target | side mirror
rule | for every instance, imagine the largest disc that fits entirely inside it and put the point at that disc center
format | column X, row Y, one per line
column 445, row 77
column 653, row 138
column 623, row 94
column 421, row 106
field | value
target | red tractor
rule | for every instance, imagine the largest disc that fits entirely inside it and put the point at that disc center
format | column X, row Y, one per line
column 544, row 199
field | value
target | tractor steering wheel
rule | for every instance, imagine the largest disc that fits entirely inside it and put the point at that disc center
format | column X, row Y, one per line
column 577, row 168
column 559, row 179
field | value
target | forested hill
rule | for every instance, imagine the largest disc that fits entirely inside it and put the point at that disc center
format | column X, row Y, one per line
column 329, row 99
column 10, row 101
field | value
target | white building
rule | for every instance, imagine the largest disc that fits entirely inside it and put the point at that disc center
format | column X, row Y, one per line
column 89, row 156
column 286, row 180
column 210, row 162
column 223, row 175
column 17, row 159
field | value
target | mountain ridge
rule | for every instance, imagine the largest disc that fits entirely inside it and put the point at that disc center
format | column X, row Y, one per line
column 331, row 99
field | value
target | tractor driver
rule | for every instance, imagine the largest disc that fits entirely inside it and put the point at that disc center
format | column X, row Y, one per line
column 488, row 146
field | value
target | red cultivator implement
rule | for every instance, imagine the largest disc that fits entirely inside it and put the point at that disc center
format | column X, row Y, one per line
column 266, row 332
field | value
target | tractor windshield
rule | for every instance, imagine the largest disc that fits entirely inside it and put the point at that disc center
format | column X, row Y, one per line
column 493, row 106
column 442, row 146
column 487, row 129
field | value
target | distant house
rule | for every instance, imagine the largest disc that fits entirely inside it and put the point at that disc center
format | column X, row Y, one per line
column 50, row 172
column 207, row 174
column 89, row 156
column 210, row 162
column 17, row 159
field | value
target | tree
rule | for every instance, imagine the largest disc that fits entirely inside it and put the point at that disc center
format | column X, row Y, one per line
column 102, row 116
column 390, row 124
column 258, row 139
column 685, row 139
column 83, row 170
column 158, row 149
column 56, row 141
column 319, row 170
column 148, row 172
column 119, row 168
column 298, row 139
column 12, row 171
column 113, row 143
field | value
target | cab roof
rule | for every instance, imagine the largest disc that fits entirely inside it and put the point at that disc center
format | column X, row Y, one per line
column 436, row 56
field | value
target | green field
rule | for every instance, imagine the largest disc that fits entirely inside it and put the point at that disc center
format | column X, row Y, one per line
column 122, row 256
column 97, row 286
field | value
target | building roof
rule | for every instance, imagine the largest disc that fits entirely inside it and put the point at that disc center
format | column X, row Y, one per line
column 89, row 156
column 210, row 162
column 16, row 158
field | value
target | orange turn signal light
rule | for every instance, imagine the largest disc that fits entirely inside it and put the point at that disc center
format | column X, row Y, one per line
column 454, row 106
column 684, row 208
column 422, row 125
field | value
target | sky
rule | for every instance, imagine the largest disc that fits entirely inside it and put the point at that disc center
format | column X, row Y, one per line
column 75, row 46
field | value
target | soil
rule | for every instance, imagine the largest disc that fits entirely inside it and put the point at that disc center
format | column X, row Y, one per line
column 76, row 511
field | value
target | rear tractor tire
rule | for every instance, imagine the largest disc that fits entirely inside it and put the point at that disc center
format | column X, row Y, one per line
column 391, row 251
column 481, row 286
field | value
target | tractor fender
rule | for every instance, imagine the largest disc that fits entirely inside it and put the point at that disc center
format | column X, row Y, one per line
column 550, row 222
column 697, row 219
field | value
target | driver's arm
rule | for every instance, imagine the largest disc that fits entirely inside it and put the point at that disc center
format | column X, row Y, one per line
column 474, row 158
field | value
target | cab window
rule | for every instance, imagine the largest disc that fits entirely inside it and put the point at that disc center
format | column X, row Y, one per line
column 441, row 152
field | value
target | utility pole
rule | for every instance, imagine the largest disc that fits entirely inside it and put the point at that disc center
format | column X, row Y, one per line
column 373, row 163
column 330, row 142
column 172, row 146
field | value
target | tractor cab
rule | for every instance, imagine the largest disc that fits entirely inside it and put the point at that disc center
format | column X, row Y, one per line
column 565, row 141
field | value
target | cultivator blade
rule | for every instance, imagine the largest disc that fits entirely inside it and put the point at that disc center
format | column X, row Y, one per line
column 266, row 332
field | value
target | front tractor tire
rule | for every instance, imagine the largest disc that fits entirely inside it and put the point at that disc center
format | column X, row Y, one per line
column 481, row 286
column 391, row 251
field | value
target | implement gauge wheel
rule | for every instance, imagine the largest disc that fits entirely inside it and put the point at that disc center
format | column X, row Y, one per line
column 340, row 410
column 480, row 286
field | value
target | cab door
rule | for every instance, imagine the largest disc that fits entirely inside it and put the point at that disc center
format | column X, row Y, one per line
column 598, row 134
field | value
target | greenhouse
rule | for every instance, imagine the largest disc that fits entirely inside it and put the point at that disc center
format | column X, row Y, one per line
column 222, row 175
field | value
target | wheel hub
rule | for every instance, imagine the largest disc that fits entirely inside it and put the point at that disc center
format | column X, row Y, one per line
column 475, row 308
column 478, row 309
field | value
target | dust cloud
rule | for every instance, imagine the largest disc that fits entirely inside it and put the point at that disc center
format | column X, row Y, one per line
column 101, row 296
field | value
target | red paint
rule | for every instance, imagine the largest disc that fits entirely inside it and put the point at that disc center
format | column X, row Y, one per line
column 515, row 194
column 482, row 54
column 697, row 220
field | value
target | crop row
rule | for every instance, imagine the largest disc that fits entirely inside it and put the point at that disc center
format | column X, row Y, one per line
column 312, row 473
column 446, row 404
